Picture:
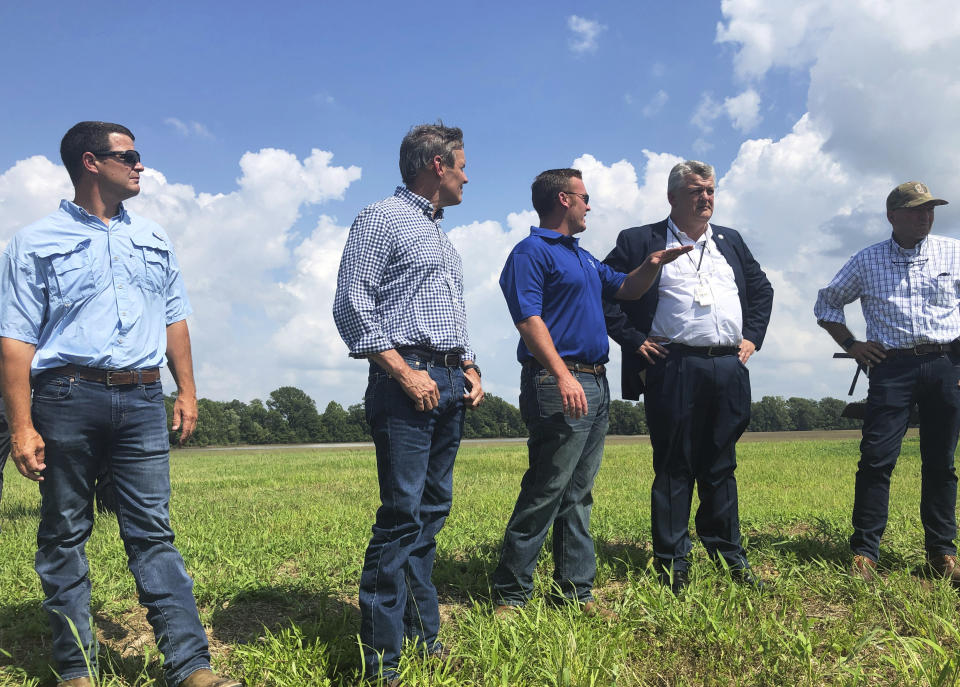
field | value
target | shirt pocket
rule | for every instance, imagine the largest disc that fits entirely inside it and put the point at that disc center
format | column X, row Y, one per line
column 71, row 268
column 940, row 290
column 155, row 255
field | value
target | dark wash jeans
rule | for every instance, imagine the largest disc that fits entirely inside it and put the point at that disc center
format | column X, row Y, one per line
column 895, row 385
column 556, row 490
column 697, row 408
column 415, row 454
column 86, row 425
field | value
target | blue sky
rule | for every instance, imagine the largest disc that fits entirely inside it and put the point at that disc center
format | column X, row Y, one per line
column 352, row 77
column 792, row 103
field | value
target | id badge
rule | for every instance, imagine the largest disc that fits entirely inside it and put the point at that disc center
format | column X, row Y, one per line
column 702, row 295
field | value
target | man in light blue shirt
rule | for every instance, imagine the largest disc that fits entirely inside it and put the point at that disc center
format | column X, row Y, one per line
column 92, row 303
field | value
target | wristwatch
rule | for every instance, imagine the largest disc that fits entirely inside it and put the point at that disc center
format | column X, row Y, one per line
column 847, row 343
column 471, row 366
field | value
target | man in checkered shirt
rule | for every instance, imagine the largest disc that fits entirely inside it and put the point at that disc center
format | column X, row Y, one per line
column 909, row 290
column 399, row 303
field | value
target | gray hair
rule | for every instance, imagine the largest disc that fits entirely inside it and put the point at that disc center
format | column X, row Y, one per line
column 684, row 169
column 423, row 143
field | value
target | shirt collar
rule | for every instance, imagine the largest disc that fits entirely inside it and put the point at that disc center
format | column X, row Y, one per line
column 706, row 236
column 419, row 202
column 551, row 235
column 916, row 251
column 82, row 215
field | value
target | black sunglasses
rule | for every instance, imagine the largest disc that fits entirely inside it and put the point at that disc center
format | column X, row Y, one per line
column 129, row 157
column 585, row 197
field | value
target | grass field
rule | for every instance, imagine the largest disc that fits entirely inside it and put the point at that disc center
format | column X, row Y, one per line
column 275, row 539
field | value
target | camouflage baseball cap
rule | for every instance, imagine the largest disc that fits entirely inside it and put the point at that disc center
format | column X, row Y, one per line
column 910, row 195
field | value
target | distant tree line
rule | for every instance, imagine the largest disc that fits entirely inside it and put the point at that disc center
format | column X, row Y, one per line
column 290, row 416
column 769, row 414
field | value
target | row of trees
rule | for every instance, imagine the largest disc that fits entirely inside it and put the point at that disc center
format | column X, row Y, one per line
column 290, row 416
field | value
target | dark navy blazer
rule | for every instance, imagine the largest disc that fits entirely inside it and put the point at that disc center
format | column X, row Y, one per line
column 628, row 322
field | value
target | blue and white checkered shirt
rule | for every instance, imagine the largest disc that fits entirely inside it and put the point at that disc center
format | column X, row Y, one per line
column 909, row 297
column 400, row 281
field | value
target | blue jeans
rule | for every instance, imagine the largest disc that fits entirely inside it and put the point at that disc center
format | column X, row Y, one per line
column 896, row 384
column 415, row 454
column 86, row 425
column 697, row 408
column 556, row 490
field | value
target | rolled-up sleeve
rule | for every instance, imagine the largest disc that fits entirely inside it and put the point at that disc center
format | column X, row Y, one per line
column 355, row 305
column 178, row 305
column 844, row 288
column 23, row 300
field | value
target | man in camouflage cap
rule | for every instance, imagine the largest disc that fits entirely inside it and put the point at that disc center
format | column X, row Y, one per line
column 909, row 290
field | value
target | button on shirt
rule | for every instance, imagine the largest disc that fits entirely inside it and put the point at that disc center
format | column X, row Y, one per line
column 908, row 296
column 679, row 317
column 87, row 293
column 549, row 275
column 400, row 281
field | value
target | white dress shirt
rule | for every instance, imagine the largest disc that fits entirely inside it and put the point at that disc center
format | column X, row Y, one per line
column 699, row 302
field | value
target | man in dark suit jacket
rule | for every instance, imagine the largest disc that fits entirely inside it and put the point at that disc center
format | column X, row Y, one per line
column 685, row 347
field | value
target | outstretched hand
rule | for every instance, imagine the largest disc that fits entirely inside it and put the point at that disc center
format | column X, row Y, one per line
column 667, row 255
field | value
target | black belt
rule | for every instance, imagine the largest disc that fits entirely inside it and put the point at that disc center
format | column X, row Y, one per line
column 108, row 377
column 596, row 369
column 441, row 358
column 712, row 351
column 921, row 349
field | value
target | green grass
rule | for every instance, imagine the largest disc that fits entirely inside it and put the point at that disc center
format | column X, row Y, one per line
column 275, row 539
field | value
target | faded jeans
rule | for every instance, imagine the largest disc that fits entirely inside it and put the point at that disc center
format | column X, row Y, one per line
column 556, row 490
column 86, row 425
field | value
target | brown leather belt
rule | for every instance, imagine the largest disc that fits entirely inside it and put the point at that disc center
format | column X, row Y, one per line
column 593, row 368
column 109, row 377
column 712, row 351
column 920, row 349
column 596, row 369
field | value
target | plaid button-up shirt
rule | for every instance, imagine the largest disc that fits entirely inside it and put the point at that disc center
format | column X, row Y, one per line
column 400, row 281
column 909, row 297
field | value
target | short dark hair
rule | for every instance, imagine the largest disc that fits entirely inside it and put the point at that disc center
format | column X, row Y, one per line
column 87, row 137
column 423, row 143
column 546, row 187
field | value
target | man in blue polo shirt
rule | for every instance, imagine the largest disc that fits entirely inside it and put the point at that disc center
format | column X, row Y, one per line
column 553, row 288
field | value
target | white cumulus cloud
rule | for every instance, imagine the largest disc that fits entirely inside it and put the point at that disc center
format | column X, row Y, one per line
column 743, row 111
column 585, row 33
